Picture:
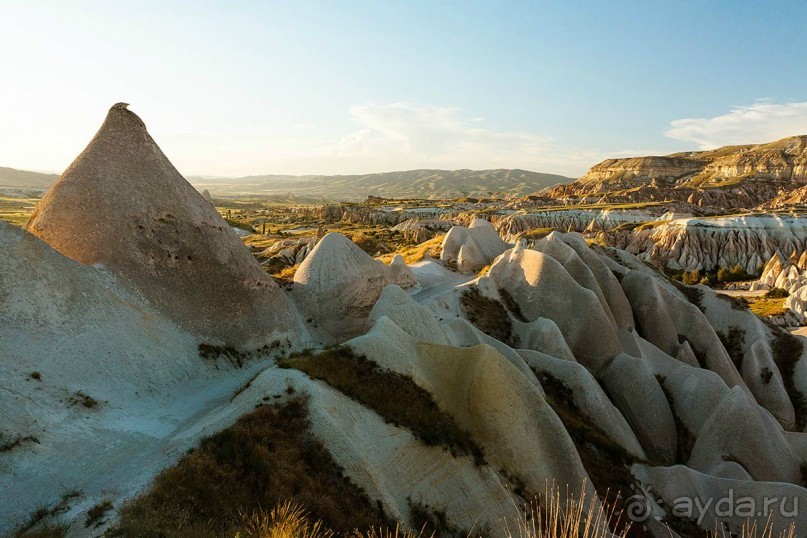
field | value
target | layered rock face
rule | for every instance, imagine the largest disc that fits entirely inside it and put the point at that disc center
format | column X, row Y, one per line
column 123, row 205
column 729, row 177
column 708, row 244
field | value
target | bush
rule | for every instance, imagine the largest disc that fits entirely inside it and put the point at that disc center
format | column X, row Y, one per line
column 777, row 293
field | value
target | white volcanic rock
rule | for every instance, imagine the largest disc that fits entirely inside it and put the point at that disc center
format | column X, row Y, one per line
column 708, row 243
column 542, row 287
column 400, row 274
column 553, row 245
column 608, row 283
column 391, row 465
column 86, row 334
column 338, row 284
column 123, row 205
column 462, row 333
column 474, row 247
column 543, row 335
column 633, row 386
column 757, row 441
column 663, row 314
column 725, row 503
column 751, row 338
column 694, row 392
column 414, row 318
column 486, row 395
column 588, row 397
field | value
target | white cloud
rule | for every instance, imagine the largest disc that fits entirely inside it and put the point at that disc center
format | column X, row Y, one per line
column 400, row 135
column 761, row 122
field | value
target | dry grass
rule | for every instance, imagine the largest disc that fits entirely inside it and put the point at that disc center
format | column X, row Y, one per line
column 554, row 515
column 393, row 396
column 266, row 458
column 285, row 275
column 767, row 306
column 417, row 253
column 488, row 315
column 566, row 515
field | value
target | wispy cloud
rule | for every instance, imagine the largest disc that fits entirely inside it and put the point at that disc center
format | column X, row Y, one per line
column 761, row 122
column 402, row 135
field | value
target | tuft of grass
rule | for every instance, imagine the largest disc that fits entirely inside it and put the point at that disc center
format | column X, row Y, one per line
column 85, row 400
column 393, row 396
column 36, row 376
column 95, row 515
column 286, row 520
column 266, row 458
column 46, row 530
column 7, row 445
column 488, row 315
column 566, row 515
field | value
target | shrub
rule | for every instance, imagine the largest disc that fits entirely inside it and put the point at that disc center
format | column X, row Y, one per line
column 393, row 396
column 777, row 293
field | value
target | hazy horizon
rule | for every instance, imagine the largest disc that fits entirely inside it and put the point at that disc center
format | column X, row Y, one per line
column 314, row 89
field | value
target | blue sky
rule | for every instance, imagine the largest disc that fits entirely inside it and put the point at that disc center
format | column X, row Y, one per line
column 237, row 88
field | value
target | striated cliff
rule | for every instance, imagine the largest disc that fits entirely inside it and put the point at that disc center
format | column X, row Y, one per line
column 730, row 177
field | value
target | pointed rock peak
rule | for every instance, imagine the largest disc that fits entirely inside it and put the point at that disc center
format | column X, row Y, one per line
column 122, row 204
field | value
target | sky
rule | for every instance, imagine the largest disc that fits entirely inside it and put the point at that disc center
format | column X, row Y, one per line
column 324, row 87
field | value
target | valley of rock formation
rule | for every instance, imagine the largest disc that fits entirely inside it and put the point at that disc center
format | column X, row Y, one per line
column 135, row 324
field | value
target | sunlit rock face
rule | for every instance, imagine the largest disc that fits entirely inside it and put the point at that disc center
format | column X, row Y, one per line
column 123, row 205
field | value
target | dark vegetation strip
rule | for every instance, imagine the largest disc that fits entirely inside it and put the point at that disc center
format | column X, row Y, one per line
column 267, row 457
column 393, row 396
column 607, row 463
column 787, row 350
column 686, row 439
column 488, row 315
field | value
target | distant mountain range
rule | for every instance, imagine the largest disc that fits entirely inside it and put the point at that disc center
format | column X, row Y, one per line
column 404, row 184
column 9, row 177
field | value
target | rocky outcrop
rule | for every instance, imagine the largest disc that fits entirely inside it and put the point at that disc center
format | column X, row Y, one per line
column 473, row 247
column 707, row 244
column 338, row 284
column 729, row 177
column 121, row 204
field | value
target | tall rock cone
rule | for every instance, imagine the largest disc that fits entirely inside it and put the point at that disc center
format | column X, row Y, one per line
column 122, row 204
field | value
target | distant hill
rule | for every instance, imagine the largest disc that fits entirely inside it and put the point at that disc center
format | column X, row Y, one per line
column 730, row 176
column 405, row 184
column 9, row 177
